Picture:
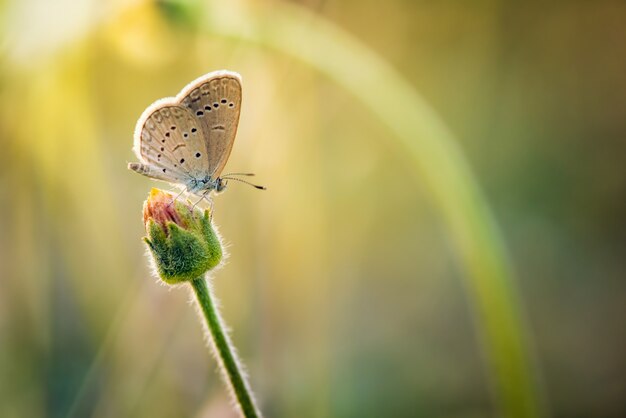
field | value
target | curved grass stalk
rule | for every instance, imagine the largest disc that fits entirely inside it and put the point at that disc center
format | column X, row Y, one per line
column 438, row 162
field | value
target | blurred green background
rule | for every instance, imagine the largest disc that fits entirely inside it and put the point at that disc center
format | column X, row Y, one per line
column 347, row 286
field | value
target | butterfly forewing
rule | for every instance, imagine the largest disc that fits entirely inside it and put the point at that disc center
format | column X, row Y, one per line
column 215, row 101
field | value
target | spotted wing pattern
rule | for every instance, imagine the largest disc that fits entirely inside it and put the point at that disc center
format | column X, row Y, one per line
column 190, row 136
column 172, row 143
column 216, row 101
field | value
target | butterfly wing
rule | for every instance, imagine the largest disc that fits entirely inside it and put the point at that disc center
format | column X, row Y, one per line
column 215, row 100
column 169, row 141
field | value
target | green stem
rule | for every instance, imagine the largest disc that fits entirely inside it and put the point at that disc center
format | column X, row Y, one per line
column 224, row 350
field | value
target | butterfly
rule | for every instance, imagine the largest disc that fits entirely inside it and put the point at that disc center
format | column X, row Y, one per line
column 187, row 139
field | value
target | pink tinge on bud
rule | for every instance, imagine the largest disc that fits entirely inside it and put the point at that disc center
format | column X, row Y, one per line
column 161, row 208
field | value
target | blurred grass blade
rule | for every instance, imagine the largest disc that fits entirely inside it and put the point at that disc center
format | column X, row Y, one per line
column 438, row 162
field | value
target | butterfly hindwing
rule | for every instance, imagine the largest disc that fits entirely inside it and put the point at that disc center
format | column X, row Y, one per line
column 171, row 141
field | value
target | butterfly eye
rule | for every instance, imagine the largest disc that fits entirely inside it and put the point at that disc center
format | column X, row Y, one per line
column 198, row 155
column 193, row 130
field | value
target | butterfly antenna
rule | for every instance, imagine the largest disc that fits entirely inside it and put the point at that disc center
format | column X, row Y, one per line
column 243, row 181
column 238, row 174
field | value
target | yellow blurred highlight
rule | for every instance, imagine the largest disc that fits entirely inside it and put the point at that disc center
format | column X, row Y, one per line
column 371, row 278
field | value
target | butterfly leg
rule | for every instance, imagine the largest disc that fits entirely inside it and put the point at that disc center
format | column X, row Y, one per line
column 202, row 197
column 176, row 198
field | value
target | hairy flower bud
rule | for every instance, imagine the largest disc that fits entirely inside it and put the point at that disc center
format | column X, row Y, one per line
column 181, row 239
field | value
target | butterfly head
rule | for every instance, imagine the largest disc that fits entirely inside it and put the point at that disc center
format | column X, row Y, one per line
column 220, row 184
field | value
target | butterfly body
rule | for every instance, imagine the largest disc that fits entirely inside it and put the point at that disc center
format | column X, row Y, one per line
column 187, row 139
column 207, row 184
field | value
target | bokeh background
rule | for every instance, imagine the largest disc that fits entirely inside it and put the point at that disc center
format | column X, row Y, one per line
column 345, row 289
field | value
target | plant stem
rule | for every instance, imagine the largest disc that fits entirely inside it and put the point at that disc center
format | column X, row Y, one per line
column 224, row 350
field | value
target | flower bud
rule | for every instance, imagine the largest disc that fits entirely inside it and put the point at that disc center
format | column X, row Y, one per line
column 181, row 239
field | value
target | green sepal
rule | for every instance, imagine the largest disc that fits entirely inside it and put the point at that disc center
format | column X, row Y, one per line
column 156, row 236
column 211, row 239
column 184, row 254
